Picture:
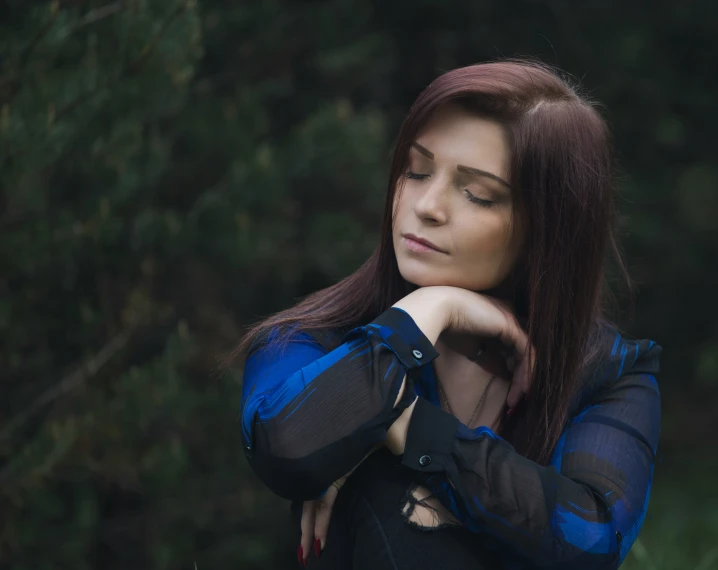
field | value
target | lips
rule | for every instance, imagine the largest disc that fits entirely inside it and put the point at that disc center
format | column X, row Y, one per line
column 423, row 241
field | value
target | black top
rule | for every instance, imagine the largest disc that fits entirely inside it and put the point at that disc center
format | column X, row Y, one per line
column 310, row 414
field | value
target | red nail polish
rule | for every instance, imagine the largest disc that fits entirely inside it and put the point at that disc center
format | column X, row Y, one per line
column 300, row 556
column 511, row 412
column 317, row 547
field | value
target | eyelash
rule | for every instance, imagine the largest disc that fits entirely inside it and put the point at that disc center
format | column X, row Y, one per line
column 479, row 201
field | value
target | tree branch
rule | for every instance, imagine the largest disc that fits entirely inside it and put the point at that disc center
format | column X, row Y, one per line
column 95, row 15
column 129, row 69
column 69, row 382
column 13, row 85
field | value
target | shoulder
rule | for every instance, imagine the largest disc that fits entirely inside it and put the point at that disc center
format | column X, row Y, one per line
column 615, row 355
column 328, row 338
column 620, row 355
column 281, row 343
column 281, row 350
column 277, row 355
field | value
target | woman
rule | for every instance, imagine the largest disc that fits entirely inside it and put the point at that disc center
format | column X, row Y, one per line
column 464, row 376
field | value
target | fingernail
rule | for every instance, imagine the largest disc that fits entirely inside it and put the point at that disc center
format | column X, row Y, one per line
column 317, row 547
column 300, row 556
column 511, row 412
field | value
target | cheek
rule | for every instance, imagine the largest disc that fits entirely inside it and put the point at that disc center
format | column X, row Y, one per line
column 483, row 236
column 486, row 250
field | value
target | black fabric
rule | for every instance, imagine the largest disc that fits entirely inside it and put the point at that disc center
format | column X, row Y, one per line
column 297, row 444
column 314, row 414
column 410, row 345
column 369, row 532
column 430, row 437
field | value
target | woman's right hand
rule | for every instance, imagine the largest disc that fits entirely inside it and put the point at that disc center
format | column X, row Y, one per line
column 479, row 317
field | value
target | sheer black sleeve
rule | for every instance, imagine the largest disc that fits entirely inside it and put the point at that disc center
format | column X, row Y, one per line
column 310, row 415
column 585, row 509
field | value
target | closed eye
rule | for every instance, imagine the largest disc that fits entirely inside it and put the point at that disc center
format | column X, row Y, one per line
column 480, row 201
column 416, row 176
column 475, row 199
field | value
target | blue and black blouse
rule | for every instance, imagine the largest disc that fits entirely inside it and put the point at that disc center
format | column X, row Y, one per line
column 310, row 414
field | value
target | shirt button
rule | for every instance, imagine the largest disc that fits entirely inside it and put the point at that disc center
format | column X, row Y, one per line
column 418, row 354
column 424, row 460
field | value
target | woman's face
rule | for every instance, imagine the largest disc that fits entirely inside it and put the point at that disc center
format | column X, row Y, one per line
column 457, row 197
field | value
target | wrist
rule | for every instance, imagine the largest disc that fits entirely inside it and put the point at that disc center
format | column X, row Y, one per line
column 431, row 308
column 444, row 298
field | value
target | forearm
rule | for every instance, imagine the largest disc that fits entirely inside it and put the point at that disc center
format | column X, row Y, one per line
column 583, row 511
column 307, row 429
column 430, row 310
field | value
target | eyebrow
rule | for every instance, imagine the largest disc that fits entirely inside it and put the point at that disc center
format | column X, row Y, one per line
column 467, row 169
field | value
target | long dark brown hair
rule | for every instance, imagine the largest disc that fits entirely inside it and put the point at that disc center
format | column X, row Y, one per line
column 562, row 172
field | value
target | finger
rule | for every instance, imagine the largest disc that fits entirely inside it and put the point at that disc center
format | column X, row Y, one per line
column 308, row 516
column 521, row 339
column 322, row 519
column 516, row 392
column 521, row 381
column 511, row 334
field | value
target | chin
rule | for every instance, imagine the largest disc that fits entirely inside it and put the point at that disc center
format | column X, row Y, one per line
column 425, row 278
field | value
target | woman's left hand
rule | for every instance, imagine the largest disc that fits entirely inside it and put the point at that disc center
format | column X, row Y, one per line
column 317, row 514
column 315, row 522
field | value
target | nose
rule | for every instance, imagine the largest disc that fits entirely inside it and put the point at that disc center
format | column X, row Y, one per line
column 433, row 203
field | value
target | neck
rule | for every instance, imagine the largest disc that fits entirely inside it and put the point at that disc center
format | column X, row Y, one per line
column 465, row 387
column 458, row 351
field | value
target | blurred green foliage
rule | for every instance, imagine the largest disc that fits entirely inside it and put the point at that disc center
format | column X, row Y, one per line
column 172, row 171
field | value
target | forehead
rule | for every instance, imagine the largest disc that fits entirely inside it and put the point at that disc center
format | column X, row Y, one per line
column 456, row 135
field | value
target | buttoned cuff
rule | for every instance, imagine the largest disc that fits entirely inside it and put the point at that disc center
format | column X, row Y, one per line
column 429, row 439
column 401, row 334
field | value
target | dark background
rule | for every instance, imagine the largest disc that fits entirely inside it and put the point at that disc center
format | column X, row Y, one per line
column 172, row 171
